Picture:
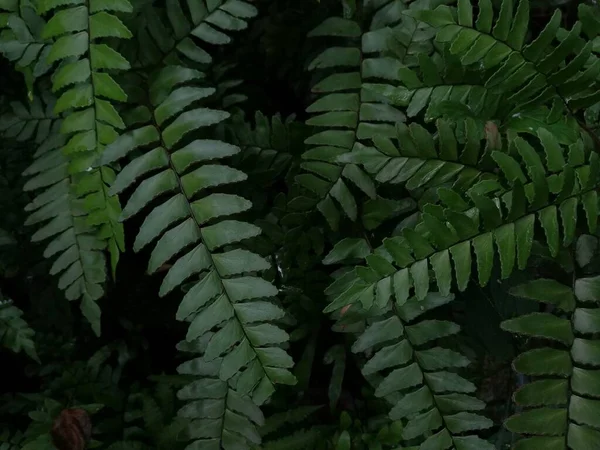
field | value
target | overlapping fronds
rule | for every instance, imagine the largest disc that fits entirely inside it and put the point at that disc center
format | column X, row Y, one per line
column 35, row 121
column 220, row 416
column 390, row 42
column 268, row 147
column 428, row 87
column 61, row 211
column 150, row 416
column 494, row 219
column 86, row 93
column 11, row 441
column 393, row 42
column 560, row 407
column 15, row 333
column 562, row 126
column 525, row 74
column 197, row 234
column 349, row 112
column 94, row 380
column 338, row 110
column 229, row 87
column 443, row 138
column 21, row 39
column 396, row 36
column 187, row 31
column 420, row 160
column 419, row 380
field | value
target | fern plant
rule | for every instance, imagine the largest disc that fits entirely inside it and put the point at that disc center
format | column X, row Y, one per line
column 15, row 334
column 227, row 293
column 311, row 265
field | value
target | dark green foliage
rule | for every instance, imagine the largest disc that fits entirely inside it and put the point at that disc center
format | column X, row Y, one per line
column 560, row 403
column 416, row 380
column 300, row 225
column 15, row 334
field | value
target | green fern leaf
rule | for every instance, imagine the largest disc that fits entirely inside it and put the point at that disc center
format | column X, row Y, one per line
column 559, row 405
column 15, row 334
column 62, row 211
column 21, row 39
column 268, row 148
column 195, row 229
column 32, row 122
column 83, row 84
column 436, row 404
column 421, row 163
column 347, row 113
column 426, row 91
column 277, row 432
column 502, row 216
column 525, row 75
column 174, row 37
column 220, row 416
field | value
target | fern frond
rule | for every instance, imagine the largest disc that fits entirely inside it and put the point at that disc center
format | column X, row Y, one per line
column 30, row 122
column 11, row 441
column 395, row 35
column 177, row 37
column 561, row 404
column 194, row 230
column 21, row 39
column 421, row 161
column 61, row 211
column 437, row 405
column 86, row 383
column 15, row 333
column 436, row 82
column 267, row 148
column 492, row 215
column 524, row 74
column 220, row 417
column 350, row 113
column 150, row 417
column 346, row 115
column 61, row 206
column 86, row 93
